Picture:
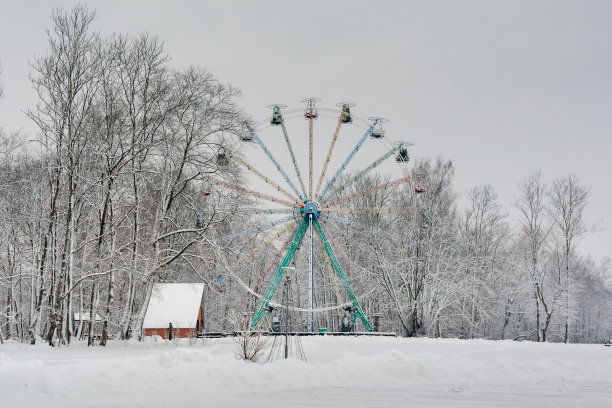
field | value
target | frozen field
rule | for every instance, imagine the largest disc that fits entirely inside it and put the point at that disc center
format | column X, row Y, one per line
column 355, row 372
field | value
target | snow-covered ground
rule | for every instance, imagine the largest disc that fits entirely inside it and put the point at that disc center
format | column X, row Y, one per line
column 355, row 372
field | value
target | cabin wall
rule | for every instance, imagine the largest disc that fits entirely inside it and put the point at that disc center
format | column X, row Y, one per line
column 177, row 333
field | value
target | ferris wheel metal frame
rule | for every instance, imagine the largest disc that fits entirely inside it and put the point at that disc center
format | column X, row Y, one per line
column 311, row 206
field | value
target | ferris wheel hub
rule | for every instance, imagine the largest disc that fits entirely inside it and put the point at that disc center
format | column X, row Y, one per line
column 310, row 207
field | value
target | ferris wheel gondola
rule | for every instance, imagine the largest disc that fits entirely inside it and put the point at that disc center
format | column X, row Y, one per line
column 377, row 132
column 346, row 111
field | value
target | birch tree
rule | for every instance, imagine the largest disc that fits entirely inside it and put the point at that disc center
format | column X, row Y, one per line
column 568, row 200
column 484, row 233
column 66, row 82
column 1, row 86
column 533, row 243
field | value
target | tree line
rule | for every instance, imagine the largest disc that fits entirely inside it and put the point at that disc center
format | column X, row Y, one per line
column 472, row 272
column 117, row 192
column 102, row 205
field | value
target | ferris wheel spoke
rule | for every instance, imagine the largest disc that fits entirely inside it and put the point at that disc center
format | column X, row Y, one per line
column 310, row 113
column 295, row 165
column 273, row 160
column 329, row 153
column 264, row 244
column 355, row 224
column 348, row 159
column 255, row 230
column 310, row 142
column 359, row 175
column 266, row 179
column 341, row 251
column 252, row 192
column 371, row 210
column 259, row 211
column 272, row 263
column 336, row 265
column 370, row 191
column 291, row 250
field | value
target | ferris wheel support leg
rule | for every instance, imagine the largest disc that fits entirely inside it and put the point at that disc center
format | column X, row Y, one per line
column 336, row 265
column 347, row 160
column 293, row 247
column 330, row 270
column 310, row 277
column 359, row 175
column 270, row 265
column 256, row 229
column 295, row 165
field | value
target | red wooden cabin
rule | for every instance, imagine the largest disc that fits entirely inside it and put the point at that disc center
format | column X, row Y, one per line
column 175, row 310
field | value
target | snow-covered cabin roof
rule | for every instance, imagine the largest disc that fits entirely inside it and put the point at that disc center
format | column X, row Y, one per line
column 176, row 303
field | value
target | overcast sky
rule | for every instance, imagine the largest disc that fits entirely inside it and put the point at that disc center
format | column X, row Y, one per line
column 500, row 88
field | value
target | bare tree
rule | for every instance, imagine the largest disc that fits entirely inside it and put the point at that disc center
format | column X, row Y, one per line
column 1, row 86
column 568, row 200
column 251, row 344
column 484, row 234
column 66, row 83
column 202, row 111
column 415, row 269
column 534, row 240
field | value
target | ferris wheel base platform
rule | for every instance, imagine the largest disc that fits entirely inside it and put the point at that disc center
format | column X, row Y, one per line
column 268, row 333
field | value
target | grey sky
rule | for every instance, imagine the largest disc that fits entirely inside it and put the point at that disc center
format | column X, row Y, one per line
column 501, row 88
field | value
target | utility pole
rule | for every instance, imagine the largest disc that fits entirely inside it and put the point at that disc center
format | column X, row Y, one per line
column 286, row 302
column 287, row 281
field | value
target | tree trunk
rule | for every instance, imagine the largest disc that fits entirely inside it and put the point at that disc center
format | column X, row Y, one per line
column 539, row 335
column 110, row 298
column 567, row 293
column 109, row 304
column 507, row 314
column 137, row 324
column 92, row 312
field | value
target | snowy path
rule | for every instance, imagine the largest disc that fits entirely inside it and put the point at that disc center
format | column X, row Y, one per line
column 356, row 372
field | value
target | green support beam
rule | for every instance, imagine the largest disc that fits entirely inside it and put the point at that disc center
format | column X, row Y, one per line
column 340, row 273
column 291, row 250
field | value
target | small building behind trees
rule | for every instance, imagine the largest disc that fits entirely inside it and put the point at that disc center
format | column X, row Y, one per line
column 174, row 310
column 81, row 325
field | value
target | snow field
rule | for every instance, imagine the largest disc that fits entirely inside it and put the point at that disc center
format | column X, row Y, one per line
column 356, row 371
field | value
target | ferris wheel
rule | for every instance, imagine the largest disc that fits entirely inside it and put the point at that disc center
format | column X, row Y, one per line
column 309, row 206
